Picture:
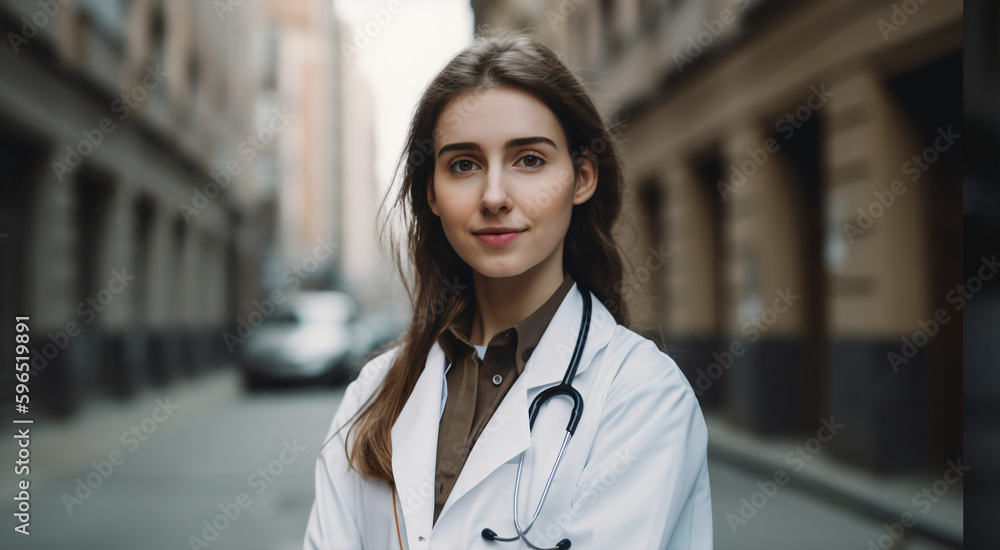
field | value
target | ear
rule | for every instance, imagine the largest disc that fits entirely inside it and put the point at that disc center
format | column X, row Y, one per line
column 586, row 180
column 431, row 197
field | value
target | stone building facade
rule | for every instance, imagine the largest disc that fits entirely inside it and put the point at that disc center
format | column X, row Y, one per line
column 793, row 206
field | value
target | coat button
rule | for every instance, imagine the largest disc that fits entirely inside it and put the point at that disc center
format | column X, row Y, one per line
column 497, row 379
column 526, row 354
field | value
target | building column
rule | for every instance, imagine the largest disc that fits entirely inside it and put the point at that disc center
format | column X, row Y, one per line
column 189, row 295
column 692, row 279
column 650, row 257
column 124, row 339
column 63, row 346
column 164, row 352
column 877, row 262
column 764, row 327
column 205, row 328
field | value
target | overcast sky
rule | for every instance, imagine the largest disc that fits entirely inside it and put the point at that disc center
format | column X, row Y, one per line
column 403, row 54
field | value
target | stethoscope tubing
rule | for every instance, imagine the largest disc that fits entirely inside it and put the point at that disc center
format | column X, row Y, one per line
column 566, row 386
column 563, row 388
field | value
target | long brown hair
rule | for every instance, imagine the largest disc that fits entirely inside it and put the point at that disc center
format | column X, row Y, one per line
column 442, row 281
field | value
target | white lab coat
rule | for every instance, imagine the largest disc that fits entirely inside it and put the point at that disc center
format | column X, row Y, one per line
column 634, row 475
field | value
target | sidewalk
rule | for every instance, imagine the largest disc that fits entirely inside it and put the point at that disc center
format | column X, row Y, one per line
column 884, row 498
column 60, row 445
column 65, row 446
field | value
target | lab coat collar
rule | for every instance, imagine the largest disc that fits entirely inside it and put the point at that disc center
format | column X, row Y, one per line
column 414, row 435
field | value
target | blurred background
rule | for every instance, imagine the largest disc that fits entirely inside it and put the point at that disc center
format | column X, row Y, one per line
column 188, row 216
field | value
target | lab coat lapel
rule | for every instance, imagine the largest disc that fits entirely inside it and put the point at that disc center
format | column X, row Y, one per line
column 414, row 447
column 555, row 349
column 507, row 434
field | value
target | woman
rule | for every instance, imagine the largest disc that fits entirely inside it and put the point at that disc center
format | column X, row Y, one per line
column 510, row 189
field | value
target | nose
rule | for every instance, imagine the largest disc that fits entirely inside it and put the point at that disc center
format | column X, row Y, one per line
column 495, row 197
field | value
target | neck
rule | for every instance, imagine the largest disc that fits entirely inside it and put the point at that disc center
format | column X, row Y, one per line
column 502, row 302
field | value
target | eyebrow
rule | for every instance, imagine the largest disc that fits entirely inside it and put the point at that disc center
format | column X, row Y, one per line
column 511, row 143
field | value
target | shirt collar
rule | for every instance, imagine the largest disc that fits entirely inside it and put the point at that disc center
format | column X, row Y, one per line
column 454, row 340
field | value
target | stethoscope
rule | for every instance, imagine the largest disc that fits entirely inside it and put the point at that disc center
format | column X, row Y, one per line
column 564, row 388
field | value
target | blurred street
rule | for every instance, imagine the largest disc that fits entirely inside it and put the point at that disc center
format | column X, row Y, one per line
column 221, row 441
column 200, row 458
column 195, row 202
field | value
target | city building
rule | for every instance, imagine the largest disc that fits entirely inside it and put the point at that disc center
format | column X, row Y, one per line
column 793, row 208
column 165, row 163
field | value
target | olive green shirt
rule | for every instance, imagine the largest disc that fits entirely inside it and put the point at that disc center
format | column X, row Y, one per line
column 476, row 387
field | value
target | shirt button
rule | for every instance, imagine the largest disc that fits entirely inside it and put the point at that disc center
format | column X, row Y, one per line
column 497, row 379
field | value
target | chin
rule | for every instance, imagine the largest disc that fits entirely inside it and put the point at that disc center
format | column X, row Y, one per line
column 499, row 273
column 497, row 268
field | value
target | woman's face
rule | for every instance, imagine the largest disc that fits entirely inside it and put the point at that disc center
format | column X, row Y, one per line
column 503, row 182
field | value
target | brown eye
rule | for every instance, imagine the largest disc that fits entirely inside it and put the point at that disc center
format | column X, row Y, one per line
column 462, row 165
column 531, row 161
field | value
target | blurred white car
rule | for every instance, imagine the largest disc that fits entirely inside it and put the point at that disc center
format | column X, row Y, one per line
column 374, row 332
column 308, row 339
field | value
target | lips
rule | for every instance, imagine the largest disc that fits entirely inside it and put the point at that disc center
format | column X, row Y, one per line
column 498, row 236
